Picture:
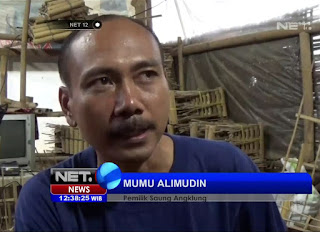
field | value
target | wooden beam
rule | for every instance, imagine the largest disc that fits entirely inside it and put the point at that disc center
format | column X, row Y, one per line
column 180, row 64
column 16, row 104
column 140, row 7
column 306, row 70
column 149, row 14
column 3, row 78
column 23, row 71
column 51, row 114
column 10, row 37
column 311, row 119
column 8, row 52
column 245, row 40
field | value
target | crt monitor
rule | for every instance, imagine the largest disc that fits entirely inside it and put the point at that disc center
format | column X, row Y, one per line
column 17, row 139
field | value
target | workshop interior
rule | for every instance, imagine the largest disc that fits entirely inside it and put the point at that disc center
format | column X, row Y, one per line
column 245, row 72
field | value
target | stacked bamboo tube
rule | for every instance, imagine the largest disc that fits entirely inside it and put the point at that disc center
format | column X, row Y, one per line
column 47, row 27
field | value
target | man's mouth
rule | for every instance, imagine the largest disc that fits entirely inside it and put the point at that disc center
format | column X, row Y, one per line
column 137, row 136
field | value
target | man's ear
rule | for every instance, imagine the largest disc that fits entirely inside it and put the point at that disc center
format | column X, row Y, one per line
column 65, row 101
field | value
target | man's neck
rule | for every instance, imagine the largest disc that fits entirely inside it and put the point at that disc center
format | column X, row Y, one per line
column 161, row 159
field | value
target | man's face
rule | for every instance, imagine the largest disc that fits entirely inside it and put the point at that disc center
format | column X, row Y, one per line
column 119, row 93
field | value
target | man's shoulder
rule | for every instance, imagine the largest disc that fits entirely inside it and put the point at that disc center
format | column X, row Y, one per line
column 213, row 156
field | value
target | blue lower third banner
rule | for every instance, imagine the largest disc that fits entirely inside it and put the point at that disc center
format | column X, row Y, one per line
column 213, row 183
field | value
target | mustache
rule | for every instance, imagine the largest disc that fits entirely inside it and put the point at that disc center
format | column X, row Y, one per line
column 132, row 125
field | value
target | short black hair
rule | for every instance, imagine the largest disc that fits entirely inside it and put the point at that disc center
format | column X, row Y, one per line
column 65, row 49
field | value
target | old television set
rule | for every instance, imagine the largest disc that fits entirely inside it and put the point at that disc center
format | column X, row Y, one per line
column 17, row 139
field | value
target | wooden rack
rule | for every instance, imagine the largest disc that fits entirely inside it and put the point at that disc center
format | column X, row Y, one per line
column 187, row 105
column 69, row 140
column 248, row 137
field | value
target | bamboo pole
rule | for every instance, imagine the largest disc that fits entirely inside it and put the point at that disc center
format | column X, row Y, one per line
column 36, row 27
column 194, row 129
column 8, row 52
column 149, row 14
column 9, row 37
column 66, row 7
column 23, row 71
column 140, row 6
column 307, row 222
column 42, row 29
column 245, row 40
column 62, row 138
column 173, row 118
column 3, row 78
column 180, row 64
column 64, row 14
column 211, row 132
column 170, row 129
column 71, row 131
column 223, row 102
column 16, row 104
column 67, row 139
column 306, row 70
column 56, row 2
column 312, row 119
column 43, row 34
column 63, row 4
column 55, row 37
column 68, row 13
column 293, row 134
column 76, row 141
column 285, row 212
column 48, row 25
column 261, row 141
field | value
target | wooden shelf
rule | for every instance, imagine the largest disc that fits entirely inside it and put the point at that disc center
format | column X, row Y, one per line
column 51, row 114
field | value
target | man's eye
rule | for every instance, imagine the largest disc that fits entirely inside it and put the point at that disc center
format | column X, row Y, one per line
column 149, row 74
column 105, row 81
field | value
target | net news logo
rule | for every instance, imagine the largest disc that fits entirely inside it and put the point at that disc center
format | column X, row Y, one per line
column 68, row 181
column 293, row 26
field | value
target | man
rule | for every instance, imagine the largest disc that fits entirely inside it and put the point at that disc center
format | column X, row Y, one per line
column 117, row 94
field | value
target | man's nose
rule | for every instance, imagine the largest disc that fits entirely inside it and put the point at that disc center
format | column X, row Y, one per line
column 127, row 101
